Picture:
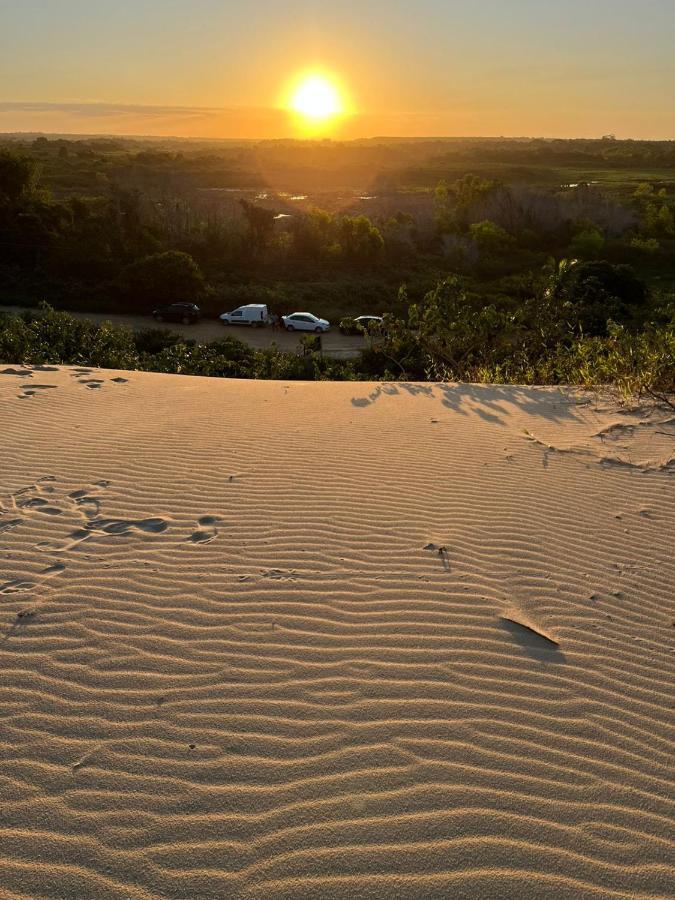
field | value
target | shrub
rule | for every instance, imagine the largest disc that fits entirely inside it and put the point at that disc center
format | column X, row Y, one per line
column 445, row 337
column 588, row 243
column 58, row 337
column 648, row 246
column 154, row 340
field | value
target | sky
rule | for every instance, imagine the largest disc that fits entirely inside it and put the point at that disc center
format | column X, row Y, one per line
column 221, row 69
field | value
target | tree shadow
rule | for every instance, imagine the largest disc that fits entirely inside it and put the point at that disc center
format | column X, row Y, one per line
column 548, row 403
column 386, row 388
column 488, row 401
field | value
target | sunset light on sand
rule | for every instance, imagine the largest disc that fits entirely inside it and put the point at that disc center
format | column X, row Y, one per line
column 337, row 444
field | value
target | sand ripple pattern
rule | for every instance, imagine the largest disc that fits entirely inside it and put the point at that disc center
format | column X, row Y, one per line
column 280, row 640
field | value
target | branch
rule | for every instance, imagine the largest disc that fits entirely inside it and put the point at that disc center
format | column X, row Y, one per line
column 662, row 398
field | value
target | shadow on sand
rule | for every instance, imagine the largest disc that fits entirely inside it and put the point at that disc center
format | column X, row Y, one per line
column 539, row 648
column 486, row 401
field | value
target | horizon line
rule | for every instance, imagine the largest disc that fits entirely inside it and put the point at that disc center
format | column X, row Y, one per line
column 97, row 135
column 258, row 123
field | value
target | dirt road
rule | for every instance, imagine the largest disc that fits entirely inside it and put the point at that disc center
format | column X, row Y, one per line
column 336, row 345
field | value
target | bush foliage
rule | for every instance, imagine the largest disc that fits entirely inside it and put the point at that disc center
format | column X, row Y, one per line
column 442, row 338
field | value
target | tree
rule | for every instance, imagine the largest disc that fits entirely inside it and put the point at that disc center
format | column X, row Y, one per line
column 18, row 175
column 491, row 239
column 588, row 242
column 313, row 234
column 597, row 292
column 399, row 235
column 361, row 241
column 260, row 223
column 445, row 336
column 658, row 220
column 455, row 203
column 162, row 278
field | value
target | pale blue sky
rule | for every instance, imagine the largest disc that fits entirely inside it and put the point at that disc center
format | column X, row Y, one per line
column 431, row 66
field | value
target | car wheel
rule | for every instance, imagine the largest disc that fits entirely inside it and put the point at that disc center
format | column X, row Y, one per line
column 318, row 329
column 186, row 320
column 290, row 328
column 159, row 318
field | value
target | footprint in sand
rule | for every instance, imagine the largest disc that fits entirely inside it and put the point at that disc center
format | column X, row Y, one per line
column 278, row 574
column 207, row 530
column 85, row 500
column 86, row 504
column 92, row 383
column 117, row 527
column 29, row 498
column 30, row 390
column 16, row 586
column 9, row 524
column 23, row 373
column 40, row 504
column 120, row 380
column 55, row 569
column 153, row 525
column 76, row 537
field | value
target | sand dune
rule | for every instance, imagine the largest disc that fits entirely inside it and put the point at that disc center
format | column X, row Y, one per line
column 332, row 640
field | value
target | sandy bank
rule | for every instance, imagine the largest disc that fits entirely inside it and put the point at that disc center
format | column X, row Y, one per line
column 266, row 639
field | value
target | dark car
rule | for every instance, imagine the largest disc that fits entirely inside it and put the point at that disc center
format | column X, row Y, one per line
column 187, row 313
column 361, row 325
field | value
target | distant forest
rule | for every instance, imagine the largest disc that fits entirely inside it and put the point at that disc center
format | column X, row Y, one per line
column 344, row 229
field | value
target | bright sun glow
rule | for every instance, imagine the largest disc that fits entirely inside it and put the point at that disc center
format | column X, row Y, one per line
column 317, row 99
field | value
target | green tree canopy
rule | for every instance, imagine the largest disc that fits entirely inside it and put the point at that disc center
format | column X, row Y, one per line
column 490, row 238
column 588, row 242
column 361, row 241
column 599, row 291
column 163, row 278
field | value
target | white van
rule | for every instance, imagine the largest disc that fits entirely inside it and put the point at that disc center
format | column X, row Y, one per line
column 253, row 314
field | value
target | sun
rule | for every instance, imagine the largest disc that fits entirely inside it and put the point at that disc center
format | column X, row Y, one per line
column 317, row 99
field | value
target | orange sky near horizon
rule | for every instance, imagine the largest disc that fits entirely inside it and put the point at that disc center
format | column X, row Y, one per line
column 263, row 124
column 219, row 69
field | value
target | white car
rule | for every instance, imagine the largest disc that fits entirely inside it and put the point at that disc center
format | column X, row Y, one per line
column 303, row 321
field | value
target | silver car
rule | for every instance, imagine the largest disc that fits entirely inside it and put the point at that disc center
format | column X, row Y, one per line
column 303, row 321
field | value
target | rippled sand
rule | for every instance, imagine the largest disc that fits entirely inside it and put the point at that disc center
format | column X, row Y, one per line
column 285, row 640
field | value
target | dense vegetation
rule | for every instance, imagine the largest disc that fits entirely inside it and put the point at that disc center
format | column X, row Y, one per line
column 528, row 261
column 441, row 338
